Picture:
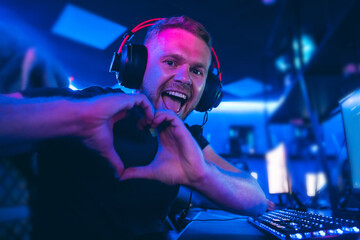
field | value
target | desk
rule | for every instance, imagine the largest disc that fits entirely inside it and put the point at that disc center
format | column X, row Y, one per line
column 220, row 225
column 215, row 224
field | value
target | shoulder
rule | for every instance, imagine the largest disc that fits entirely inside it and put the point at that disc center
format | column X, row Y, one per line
column 97, row 90
column 194, row 129
column 67, row 92
column 197, row 132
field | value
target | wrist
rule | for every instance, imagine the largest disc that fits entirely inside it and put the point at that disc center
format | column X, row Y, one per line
column 76, row 117
column 202, row 180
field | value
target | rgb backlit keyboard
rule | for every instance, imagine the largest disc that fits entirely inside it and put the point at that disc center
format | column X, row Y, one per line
column 294, row 224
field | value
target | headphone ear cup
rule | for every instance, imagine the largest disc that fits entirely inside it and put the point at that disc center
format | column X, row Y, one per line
column 133, row 61
column 212, row 94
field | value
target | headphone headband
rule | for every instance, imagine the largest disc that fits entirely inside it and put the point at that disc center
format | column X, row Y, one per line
column 129, row 34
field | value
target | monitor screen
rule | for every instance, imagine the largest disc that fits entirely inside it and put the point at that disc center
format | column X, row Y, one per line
column 350, row 109
column 314, row 182
column 277, row 170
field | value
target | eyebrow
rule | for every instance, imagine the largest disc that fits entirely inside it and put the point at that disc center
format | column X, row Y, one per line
column 180, row 58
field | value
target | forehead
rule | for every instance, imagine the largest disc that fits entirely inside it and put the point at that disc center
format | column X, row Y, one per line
column 180, row 41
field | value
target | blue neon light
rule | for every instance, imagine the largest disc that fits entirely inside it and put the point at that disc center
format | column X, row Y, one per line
column 85, row 27
column 246, row 107
column 245, row 87
column 308, row 49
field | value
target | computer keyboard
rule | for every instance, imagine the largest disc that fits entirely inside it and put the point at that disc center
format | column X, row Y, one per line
column 294, row 224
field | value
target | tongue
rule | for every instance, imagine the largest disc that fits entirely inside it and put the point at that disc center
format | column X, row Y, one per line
column 172, row 104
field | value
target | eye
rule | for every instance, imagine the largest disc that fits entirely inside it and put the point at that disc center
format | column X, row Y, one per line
column 170, row 63
column 197, row 72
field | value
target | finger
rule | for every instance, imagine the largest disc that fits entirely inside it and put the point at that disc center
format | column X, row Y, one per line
column 143, row 124
column 147, row 108
column 165, row 119
column 115, row 161
column 137, row 172
column 142, row 106
column 144, row 111
column 127, row 102
column 119, row 115
column 161, row 117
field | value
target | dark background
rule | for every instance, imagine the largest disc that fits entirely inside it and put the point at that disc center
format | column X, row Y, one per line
column 248, row 36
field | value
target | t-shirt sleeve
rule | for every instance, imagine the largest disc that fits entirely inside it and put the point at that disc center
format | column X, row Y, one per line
column 196, row 132
column 67, row 92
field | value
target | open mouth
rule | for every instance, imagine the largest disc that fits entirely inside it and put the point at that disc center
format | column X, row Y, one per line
column 174, row 101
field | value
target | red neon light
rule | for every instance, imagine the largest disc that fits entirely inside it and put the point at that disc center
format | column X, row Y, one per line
column 217, row 62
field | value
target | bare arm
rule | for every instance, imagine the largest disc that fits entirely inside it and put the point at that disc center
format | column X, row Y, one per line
column 211, row 156
column 29, row 120
column 243, row 192
column 235, row 192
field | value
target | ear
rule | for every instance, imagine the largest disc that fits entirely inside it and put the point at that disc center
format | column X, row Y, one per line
column 130, row 65
column 212, row 94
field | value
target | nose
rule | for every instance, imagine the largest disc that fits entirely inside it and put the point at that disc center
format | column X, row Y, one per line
column 182, row 75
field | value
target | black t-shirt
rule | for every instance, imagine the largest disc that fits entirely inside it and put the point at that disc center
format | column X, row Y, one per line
column 80, row 197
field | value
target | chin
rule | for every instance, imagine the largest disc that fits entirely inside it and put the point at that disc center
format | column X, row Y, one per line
column 183, row 115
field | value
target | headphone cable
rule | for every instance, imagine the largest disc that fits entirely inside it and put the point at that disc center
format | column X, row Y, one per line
column 185, row 212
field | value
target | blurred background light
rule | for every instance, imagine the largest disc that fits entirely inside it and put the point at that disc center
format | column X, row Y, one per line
column 85, row 27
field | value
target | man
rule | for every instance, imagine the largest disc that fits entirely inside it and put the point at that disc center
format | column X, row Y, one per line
column 78, row 192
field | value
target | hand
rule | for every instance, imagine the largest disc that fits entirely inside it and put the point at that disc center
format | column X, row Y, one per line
column 270, row 206
column 179, row 159
column 99, row 116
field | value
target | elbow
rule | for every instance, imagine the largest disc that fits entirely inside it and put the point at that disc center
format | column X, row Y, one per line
column 254, row 202
column 253, row 209
column 257, row 206
column 261, row 204
column 260, row 208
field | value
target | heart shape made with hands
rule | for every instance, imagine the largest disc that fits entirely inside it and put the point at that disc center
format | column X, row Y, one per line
column 179, row 159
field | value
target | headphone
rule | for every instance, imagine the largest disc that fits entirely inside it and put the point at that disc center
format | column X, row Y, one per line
column 129, row 64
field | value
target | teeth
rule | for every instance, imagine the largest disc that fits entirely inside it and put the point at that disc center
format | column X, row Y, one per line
column 177, row 94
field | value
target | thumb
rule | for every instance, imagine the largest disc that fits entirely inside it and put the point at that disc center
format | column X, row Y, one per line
column 137, row 172
column 115, row 161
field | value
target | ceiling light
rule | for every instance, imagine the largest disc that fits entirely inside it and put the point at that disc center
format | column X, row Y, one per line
column 87, row 28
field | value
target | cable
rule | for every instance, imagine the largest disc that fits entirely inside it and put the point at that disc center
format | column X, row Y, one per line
column 181, row 223
column 185, row 212
column 219, row 219
column 205, row 119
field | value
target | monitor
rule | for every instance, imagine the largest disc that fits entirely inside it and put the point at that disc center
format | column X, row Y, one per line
column 350, row 111
column 276, row 165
